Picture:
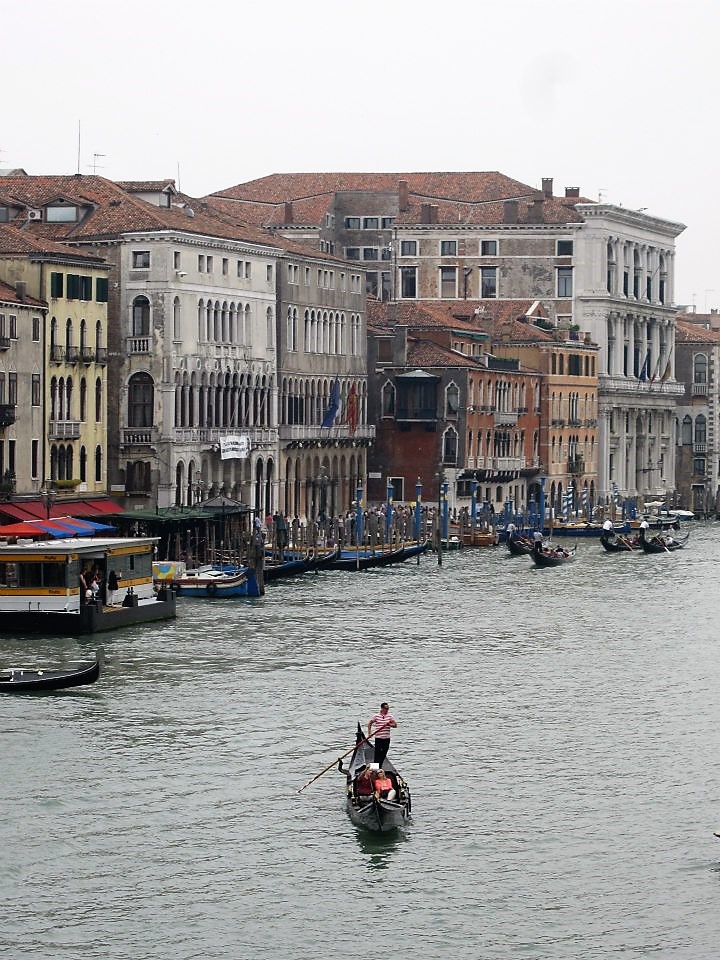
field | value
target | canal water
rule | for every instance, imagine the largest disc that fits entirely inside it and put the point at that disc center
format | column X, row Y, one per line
column 558, row 728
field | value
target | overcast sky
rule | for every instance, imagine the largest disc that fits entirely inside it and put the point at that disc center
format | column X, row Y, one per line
column 617, row 97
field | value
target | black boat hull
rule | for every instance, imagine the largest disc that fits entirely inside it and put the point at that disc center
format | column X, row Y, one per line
column 40, row 681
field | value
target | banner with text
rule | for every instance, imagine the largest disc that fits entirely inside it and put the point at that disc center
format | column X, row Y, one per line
column 234, row 448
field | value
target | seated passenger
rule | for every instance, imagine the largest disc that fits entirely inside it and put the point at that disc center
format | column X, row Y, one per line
column 384, row 786
column 364, row 786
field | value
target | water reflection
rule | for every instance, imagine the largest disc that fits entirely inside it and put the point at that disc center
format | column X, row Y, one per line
column 378, row 848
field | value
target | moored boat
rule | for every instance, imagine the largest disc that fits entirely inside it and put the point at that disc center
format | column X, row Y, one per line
column 208, row 582
column 43, row 585
column 24, row 680
column 370, row 812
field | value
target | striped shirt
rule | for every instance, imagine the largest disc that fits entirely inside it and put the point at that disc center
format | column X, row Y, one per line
column 381, row 720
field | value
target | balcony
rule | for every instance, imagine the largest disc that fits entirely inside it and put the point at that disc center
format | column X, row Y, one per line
column 72, row 354
column 699, row 389
column 138, row 344
column 87, row 354
column 64, row 430
column 558, row 423
column 140, row 436
column 7, row 414
column 101, row 355
column 576, row 466
column 700, row 448
column 4, row 343
column 302, row 433
column 505, row 418
column 421, row 414
column 57, row 353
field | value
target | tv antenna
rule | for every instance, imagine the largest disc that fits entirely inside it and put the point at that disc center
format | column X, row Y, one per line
column 95, row 166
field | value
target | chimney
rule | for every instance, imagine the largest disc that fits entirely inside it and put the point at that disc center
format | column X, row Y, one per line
column 547, row 185
column 21, row 290
column 572, row 191
column 535, row 211
column 433, row 213
column 510, row 211
column 403, row 195
column 425, row 213
column 288, row 212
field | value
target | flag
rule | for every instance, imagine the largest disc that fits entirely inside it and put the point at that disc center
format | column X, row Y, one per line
column 668, row 369
column 644, row 368
column 352, row 410
column 656, row 371
column 333, row 406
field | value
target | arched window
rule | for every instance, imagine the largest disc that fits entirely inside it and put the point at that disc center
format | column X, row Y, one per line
column 687, row 430
column 700, row 435
column 68, row 334
column 98, row 401
column 176, row 319
column 83, row 400
column 452, row 400
column 269, row 323
column 83, row 465
column 140, row 400
column 700, row 367
column 450, row 447
column 141, row 317
column 388, row 400
column 98, row 463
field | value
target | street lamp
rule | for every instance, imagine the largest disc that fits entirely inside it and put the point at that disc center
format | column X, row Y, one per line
column 48, row 496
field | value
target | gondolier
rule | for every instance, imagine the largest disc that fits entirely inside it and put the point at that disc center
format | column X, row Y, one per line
column 380, row 725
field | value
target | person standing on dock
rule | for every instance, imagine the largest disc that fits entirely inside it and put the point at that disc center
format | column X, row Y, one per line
column 381, row 724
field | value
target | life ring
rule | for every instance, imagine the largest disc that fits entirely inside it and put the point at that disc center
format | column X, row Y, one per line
column 211, row 589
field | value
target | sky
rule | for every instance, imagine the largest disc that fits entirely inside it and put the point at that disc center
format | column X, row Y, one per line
column 618, row 97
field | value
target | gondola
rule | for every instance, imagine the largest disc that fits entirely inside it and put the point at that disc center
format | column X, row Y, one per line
column 545, row 556
column 373, row 813
column 366, row 559
column 279, row 569
column 619, row 543
column 519, row 546
column 21, row 680
column 661, row 543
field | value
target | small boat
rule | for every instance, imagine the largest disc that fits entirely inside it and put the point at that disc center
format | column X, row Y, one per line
column 373, row 813
column 207, row 582
column 519, row 545
column 279, row 569
column 661, row 542
column 22, row 680
column 547, row 556
column 365, row 559
column 615, row 542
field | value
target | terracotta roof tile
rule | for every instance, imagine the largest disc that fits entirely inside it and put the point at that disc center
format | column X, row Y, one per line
column 689, row 331
column 17, row 242
column 9, row 294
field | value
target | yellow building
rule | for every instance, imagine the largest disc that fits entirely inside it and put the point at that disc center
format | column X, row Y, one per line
column 74, row 284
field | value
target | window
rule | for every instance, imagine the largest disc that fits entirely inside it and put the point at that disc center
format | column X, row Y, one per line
column 352, row 223
column 408, row 282
column 700, row 364
column 101, row 290
column 269, row 273
column 700, row 435
column 564, row 282
column 12, row 389
column 73, row 286
column 370, row 253
column 63, row 214
column 34, row 458
column 140, row 400
column 141, row 259
column 448, row 248
column 372, row 283
column 36, row 329
column 450, row 448
column 4, row 214
column 86, row 288
column 35, row 390
column 371, row 223
column 141, row 317
column 56, row 285
column 488, row 248
column 201, row 263
column 564, row 248
column 12, row 326
column 209, row 264
column 408, row 248
column 352, row 253
column 488, row 283
column 699, row 466
column 448, row 283
column 176, row 260
column 225, row 266
column 387, row 222
column 452, row 400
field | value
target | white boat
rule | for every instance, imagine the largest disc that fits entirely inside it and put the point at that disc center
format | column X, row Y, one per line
column 41, row 588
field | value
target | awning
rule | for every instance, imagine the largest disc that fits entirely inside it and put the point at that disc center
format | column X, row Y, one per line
column 37, row 510
column 28, row 510
column 58, row 528
column 91, row 508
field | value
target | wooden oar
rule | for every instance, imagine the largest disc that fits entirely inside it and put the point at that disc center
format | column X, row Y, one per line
column 353, row 747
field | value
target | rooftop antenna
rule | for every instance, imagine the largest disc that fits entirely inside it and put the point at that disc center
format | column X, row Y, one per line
column 178, row 177
column 95, row 165
column 601, row 194
column 78, row 157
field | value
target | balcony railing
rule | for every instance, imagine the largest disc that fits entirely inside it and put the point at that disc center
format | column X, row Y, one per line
column 505, row 418
column 101, row 355
column 699, row 389
column 4, row 343
column 416, row 413
column 699, row 447
column 57, row 353
column 7, row 414
column 142, row 436
column 64, row 430
column 72, row 354
column 138, row 344
column 576, row 466
column 87, row 354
